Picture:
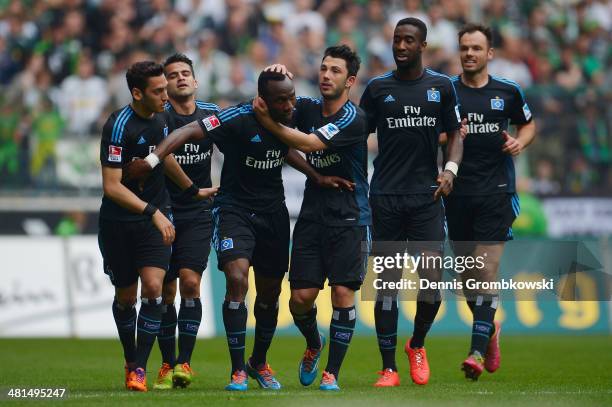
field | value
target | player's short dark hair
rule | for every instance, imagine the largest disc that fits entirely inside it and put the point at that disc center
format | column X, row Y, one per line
column 344, row 52
column 264, row 78
column 139, row 73
column 473, row 27
column 178, row 57
column 416, row 23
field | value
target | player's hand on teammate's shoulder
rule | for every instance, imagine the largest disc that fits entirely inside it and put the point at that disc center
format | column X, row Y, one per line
column 445, row 184
column 165, row 227
column 280, row 68
column 135, row 170
column 511, row 145
column 332, row 181
column 205, row 193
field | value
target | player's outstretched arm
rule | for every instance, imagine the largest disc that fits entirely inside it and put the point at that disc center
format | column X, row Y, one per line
column 455, row 154
column 139, row 169
column 176, row 174
column 298, row 162
column 525, row 134
column 121, row 195
column 306, row 143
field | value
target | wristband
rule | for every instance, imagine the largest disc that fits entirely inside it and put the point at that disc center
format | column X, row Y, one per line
column 149, row 210
column 192, row 190
column 452, row 167
column 152, row 159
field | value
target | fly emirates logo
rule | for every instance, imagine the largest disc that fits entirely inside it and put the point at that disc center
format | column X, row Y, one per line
column 319, row 159
column 413, row 119
column 273, row 159
column 476, row 125
column 192, row 154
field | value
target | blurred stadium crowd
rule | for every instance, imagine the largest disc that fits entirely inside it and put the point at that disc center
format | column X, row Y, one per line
column 63, row 63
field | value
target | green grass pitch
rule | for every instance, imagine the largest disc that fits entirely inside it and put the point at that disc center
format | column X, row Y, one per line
column 536, row 370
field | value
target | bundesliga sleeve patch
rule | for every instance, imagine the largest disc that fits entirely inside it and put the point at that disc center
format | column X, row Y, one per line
column 211, row 122
column 114, row 154
column 526, row 112
column 329, row 130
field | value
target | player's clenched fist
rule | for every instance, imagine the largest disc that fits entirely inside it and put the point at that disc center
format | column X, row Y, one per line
column 165, row 227
column 205, row 193
column 445, row 184
column 137, row 169
column 511, row 145
column 463, row 131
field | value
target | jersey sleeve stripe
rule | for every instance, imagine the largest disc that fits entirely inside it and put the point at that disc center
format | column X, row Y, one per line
column 228, row 112
column 236, row 112
column 347, row 112
column 229, row 117
column 122, row 126
column 314, row 100
column 383, row 76
column 348, row 117
column 208, row 106
column 512, row 83
column 117, row 121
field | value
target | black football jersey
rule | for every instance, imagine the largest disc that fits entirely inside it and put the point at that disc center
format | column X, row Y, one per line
column 489, row 110
column 194, row 158
column 345, row 133
column 125, row 137
column 253, row 160
column 408, row 117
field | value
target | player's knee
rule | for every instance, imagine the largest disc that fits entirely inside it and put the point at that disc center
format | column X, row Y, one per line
column 302, row 299
column 151, row 289
column 342, row 296
column 127, row 296
column 269, row 294
column 237, row 285
column 238, row 280
column 190, row 288
column 126, row 299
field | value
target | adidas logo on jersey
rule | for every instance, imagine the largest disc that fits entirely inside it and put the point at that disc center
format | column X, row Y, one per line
column 142, row 140
column 256, row 139
column 389, row 98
